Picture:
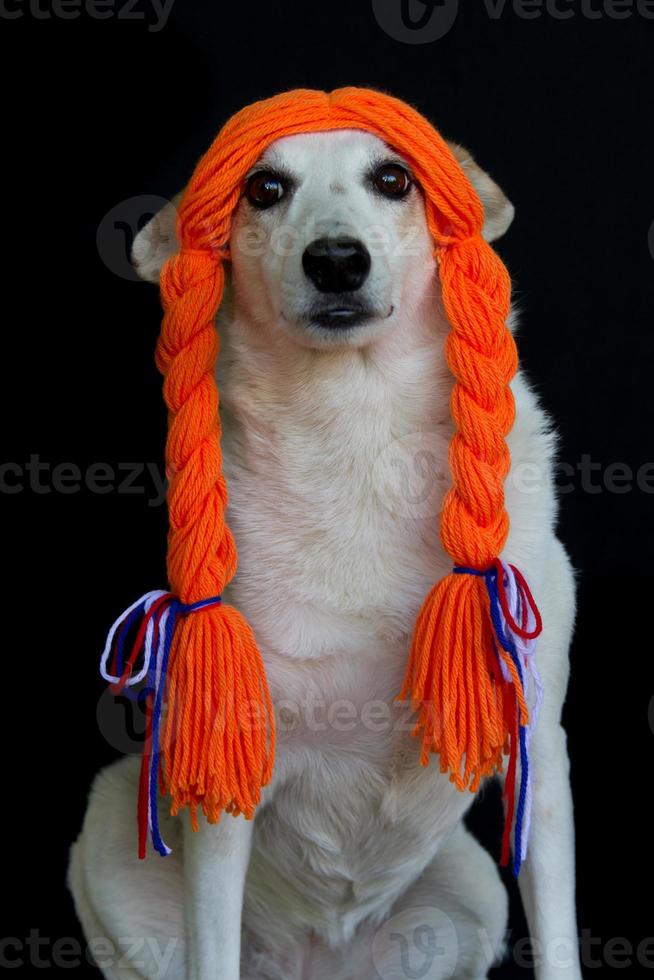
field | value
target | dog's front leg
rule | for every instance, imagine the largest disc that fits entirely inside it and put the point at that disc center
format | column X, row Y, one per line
column 215, row 864
column 547, row 879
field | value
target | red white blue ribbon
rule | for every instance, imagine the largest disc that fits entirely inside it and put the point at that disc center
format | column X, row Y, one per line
column 516, row 625
column 149, row 624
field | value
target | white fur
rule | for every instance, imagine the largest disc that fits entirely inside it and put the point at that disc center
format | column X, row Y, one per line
column 357, row 854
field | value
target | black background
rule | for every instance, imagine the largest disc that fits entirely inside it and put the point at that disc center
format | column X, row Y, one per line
column 99, row 111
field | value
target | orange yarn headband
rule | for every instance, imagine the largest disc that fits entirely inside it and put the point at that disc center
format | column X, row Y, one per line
column 464, row 681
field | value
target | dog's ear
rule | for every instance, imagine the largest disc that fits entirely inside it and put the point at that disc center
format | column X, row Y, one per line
column 498, row 209
column 156, row 242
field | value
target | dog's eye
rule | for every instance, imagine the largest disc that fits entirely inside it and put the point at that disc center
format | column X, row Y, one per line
column 264, row 189
column 392, row 180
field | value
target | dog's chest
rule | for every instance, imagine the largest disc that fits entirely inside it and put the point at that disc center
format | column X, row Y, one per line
column 351, row 817
column 334, row 502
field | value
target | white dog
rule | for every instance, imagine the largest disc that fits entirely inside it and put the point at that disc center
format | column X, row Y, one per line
column 334, row 399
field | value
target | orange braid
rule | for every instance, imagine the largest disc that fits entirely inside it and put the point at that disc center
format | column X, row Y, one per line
column 216, row 754
column 216, row 669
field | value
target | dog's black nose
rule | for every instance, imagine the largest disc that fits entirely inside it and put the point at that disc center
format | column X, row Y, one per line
column 336, row 265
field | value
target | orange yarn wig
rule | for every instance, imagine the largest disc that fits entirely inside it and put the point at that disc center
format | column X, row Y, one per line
column 464, row 678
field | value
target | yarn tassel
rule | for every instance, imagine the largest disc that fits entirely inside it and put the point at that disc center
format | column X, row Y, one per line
column 213, row 749
column 470, row 660
column 218, row 739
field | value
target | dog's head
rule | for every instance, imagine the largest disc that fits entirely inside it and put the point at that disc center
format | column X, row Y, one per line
column 329, row 242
